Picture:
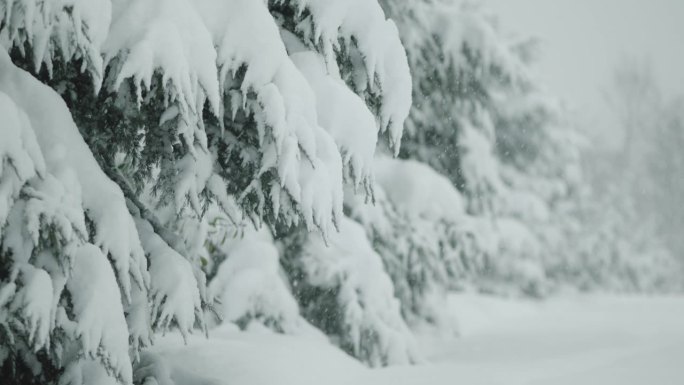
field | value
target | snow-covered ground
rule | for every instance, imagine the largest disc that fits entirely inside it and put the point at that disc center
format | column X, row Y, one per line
column 570, row 340
column 573, row 340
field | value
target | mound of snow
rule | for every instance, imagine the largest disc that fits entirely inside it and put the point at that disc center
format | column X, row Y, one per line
column 418, row 190
column 235, row 358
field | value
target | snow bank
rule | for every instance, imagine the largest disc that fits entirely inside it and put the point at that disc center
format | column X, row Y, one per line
column 250, row 358
column 593, row 340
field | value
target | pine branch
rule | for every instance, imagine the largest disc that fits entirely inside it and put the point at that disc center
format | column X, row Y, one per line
column 171, row 239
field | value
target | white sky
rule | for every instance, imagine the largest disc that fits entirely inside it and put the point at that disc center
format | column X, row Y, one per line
column 582, row 41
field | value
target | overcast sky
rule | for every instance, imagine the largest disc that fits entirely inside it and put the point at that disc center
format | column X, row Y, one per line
column 582, row 41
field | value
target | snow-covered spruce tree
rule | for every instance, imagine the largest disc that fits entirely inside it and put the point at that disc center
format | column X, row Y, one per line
column 335, row 287
column 415, row 226
column 344, row 290
column 150, row 113
column 420, row 227
column 246, row 278
column 480, row 119
column 460, row 65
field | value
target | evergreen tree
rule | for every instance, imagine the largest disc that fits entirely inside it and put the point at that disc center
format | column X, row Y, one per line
column 481, row 120
column 151, row 114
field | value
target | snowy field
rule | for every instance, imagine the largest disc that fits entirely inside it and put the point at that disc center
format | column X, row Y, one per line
column 572, row 340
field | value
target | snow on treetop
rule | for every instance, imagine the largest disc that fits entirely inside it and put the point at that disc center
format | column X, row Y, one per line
column 72, row 29
column 169, row 36
column 362, row 24
column 461, row 30
column 99, row 248
column 344, row 115
column 199, row 50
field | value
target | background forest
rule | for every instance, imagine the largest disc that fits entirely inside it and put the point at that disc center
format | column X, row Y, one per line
column 330, row 169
